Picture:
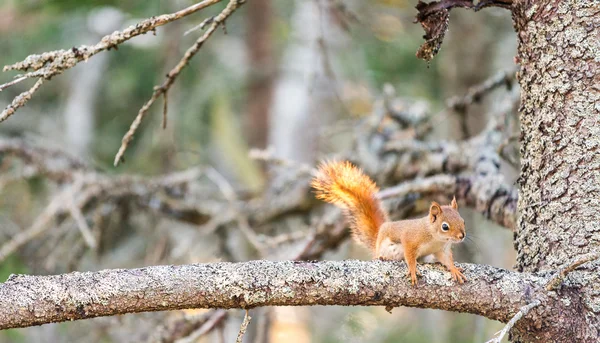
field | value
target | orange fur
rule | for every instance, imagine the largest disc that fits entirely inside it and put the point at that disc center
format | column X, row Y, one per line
column 346, row 186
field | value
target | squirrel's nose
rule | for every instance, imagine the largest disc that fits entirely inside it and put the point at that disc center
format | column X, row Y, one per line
column 461, row 235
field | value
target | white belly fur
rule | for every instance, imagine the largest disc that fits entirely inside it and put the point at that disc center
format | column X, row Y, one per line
column 389, row 250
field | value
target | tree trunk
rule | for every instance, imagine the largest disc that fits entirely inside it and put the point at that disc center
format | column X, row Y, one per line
column 559, row 202
column 260, row 88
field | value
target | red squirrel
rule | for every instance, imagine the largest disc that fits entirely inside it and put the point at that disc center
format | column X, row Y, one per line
column 347, row 187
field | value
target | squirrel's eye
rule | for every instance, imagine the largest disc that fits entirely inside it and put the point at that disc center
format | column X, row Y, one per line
column 445, row 227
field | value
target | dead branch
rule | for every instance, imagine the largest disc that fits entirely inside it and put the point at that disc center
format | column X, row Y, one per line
column 91, row 186
column 41, row 224
column 479, row 184
column 242, row 219
column 522, row 312
column 560, row 275
column 12, row 83
column 20, row 100
column 243, row 327
column 53, row 63
column 477, row 92
column 218, row 20
column 54, row 164
column 434, row 17
column 189, row 327
column 35, row 300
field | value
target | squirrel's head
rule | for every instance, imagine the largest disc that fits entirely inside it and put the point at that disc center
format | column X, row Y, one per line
column 447, row 222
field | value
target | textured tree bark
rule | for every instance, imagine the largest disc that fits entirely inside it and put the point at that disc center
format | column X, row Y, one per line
column 34, row 300
column 559, row 202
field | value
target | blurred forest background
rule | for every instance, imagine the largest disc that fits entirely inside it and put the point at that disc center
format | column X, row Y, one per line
column 294, row 76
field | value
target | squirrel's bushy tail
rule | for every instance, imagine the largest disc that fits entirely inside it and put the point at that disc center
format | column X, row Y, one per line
column 346, row 186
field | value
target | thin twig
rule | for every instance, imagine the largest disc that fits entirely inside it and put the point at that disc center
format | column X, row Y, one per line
column 75, row 212
column 243, row 327
column 268, row 156
column 40, row 225
column 83, row 226
column 524, row 310
column 560, row 275
column 475, row 93
column 173, row 74
column 231, row 196
column 214, row 319
column 200, row 26
column 20, row 101
column 12, row 83
column 286, row 238
column 433, row 184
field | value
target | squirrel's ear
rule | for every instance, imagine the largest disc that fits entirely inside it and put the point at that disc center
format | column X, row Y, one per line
column 434, row 211
column 454, row 204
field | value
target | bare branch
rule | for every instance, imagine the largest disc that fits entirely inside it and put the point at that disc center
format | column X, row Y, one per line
column 93, row 186
column 189, row 328
column 52, row 63
column 488, row 194
column 55, row 164
column 20, row 101
column 242, row 220
column 243, row 327
column 434, row 16
column 34, row 300
column 560, row 275
column 522, row 312
column 12, row 83
column 41, row 224
column 84, row 228
column 475, row 93
column 172, row 75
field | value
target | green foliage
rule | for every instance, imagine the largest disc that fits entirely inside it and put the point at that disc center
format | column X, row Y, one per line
column 62, row 7
column 11, row 265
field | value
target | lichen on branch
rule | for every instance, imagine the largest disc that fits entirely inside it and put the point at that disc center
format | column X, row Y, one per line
column 35, row 300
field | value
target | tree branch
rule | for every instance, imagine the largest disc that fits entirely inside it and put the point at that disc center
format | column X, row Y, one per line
column 173, row 74
column 189, row 327
column 434, row 16
column 523, row 312
column 475, row 93
column 20, row 100
column 52, row 63
column 34, row 300
column 55, row 164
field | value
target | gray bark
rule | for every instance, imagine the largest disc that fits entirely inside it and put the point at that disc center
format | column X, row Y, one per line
column 35, row 300
column 560, row 170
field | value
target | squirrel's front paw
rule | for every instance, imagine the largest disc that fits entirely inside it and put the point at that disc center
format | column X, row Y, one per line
column 457, row 275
